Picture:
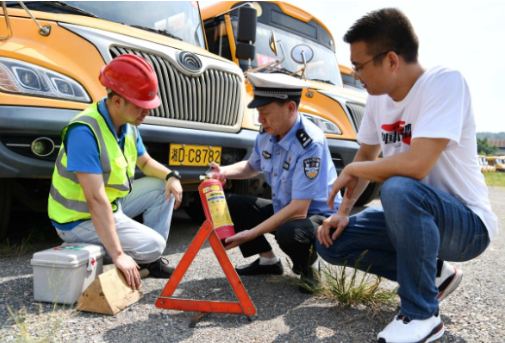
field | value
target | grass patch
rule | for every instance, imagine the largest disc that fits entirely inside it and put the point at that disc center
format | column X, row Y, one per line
column 8, row 249
column 350, row 286
column 495, row 179
column 34, row 237
column 42, row 328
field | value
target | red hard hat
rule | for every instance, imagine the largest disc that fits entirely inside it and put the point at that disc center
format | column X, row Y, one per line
column 133, row 78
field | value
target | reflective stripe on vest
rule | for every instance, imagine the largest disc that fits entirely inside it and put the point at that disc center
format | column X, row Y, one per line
column 66, row 198
column 76, row 205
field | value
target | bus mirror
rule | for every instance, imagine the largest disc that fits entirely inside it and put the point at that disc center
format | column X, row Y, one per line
column 247, row 25
column 246, row 35
column 245, row 51
column 273, row 44
column 302, row 54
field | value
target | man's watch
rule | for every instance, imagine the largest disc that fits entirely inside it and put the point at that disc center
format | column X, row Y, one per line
column 173, row 173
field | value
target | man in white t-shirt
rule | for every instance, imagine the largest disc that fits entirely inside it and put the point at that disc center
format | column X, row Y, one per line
column 435, row 201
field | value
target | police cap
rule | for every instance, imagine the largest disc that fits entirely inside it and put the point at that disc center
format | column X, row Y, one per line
column 272, row 87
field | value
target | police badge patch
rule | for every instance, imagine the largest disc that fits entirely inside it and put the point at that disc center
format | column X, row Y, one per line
column 311, row 167
column 266, row 155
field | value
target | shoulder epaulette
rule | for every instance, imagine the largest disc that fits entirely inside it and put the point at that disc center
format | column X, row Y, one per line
column 303, row 138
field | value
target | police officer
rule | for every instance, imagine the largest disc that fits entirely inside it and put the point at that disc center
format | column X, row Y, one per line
column 293, row 154
column 93, row 195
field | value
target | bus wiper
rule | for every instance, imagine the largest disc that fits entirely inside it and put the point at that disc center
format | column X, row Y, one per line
column 325, row 81
column 161, row 32
column 285, row 71
column 62, row 4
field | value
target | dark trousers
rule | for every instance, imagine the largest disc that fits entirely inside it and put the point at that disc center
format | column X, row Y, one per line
column 296, row 238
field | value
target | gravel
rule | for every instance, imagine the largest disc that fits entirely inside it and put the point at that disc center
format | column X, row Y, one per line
column 473, row 313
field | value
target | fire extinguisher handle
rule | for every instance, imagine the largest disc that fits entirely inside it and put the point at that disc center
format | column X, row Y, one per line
column 211, row 175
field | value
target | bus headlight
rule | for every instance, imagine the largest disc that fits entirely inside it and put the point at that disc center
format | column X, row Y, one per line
column 29, row 79
column 324, row 124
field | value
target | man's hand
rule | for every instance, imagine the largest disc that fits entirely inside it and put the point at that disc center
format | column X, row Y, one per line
column 218, row 173
column 129, row 267
column 338, row 221
column 238, row 239
column 344, row 180
column 173, row 187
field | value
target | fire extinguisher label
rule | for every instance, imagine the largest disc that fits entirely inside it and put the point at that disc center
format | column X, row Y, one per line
column 218, row 209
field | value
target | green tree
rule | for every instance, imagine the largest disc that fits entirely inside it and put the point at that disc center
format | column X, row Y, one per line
column 491, row 135
column 484, row 148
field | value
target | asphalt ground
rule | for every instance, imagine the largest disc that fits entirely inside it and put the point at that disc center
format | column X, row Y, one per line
column 473, row 313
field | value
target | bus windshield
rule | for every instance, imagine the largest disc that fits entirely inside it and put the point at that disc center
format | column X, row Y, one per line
column 176, row 19
column 322, row 67
column 350, row 82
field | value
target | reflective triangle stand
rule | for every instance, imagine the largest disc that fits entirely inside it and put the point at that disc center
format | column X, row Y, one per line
column 244, row 304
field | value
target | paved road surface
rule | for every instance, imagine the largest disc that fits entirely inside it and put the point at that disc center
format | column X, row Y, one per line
column 472, row 314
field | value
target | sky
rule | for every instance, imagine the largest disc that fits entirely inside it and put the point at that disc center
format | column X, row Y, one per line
column 465, row 35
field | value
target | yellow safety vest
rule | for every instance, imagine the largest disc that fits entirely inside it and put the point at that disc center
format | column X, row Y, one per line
column 66, row 198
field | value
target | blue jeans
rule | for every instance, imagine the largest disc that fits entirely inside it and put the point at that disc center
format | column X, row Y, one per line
column 417, row 224
column 146, row 242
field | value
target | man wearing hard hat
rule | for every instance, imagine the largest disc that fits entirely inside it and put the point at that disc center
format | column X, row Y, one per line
column 93, row 195
column 293, row 154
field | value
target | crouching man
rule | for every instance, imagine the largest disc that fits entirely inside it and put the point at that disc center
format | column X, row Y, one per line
column 93, row 193
column 293, row 155
column 435, row 201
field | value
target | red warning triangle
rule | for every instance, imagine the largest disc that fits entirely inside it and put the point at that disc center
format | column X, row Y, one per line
column 244, row 304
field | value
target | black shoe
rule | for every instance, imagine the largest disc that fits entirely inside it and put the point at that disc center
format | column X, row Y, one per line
column 158, row 269
column 309, row 282
column 256, row 268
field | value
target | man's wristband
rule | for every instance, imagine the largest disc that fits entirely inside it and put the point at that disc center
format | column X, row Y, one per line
column 173, row 173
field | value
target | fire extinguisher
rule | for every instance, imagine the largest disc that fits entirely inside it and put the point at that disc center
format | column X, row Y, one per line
column 216, row 208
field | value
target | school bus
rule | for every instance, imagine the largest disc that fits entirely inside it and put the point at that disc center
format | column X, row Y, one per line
column 282, row 32
column 485, row 167
column 498, row 162
column 349, row 80
column 51, row 54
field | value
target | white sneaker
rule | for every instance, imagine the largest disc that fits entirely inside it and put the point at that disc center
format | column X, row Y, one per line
column 448, row 279
column 405, row 330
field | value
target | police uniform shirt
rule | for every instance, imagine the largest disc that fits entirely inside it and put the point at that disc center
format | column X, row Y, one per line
column 298, row 167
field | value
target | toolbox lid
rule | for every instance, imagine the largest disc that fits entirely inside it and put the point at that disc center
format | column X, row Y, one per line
column 68, row 255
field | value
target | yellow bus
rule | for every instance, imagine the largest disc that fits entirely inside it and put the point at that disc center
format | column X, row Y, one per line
column 51, row 54
column 484, row 164
column 348, row 79
column 338, row 111
column 498, row 162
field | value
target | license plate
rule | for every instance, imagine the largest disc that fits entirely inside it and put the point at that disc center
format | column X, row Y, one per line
column 193, row 155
